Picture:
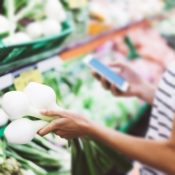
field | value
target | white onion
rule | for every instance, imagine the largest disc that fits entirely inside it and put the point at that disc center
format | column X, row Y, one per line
column 50, row 27
column 35, row 98
column 40, row 95
column 54, row 10
column 23, row 130
column 4, row 24
column 3, row 118
column 15, row 104
column 34, row 30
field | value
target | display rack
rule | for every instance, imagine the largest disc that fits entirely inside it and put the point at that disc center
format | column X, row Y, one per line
column 74, row 50
column 4, row 69
column 89, row 45
column 42, row 66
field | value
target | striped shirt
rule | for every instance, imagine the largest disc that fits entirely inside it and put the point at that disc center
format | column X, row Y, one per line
column 162, row 116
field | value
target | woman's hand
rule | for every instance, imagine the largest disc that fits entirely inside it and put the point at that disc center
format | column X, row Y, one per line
column 137, row 87
column 134, row 80
column 68, row 125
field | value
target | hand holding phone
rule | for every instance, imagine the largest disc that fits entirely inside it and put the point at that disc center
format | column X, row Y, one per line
column 115, row 79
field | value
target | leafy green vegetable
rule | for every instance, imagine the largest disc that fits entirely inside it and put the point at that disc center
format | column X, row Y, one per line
column 79, row 162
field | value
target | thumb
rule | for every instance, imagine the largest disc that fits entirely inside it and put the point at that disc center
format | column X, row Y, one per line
column 121, row 67
column 118, row 67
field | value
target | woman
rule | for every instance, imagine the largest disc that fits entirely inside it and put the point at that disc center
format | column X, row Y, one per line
column 157, row 150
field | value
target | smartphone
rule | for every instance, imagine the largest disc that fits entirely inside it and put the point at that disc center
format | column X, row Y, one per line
column 114, row 78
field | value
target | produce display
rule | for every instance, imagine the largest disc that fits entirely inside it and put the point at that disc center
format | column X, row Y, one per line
column 31, row 31
column 73, row 87
column 76, row 89
column 26, row 20
column 23, row 130
column 29, row 28
column 124, row 12
column 72, row 93
column 39, row 157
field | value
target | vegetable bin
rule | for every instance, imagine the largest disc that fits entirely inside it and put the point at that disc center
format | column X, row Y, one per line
column 27, row 53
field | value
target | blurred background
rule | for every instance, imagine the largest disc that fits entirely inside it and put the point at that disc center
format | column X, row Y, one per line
column 46, row 41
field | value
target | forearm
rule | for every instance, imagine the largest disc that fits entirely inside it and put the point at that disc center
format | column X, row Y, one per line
column 147, row 93
column 153, row 153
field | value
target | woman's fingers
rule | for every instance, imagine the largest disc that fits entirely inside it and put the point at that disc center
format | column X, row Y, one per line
column 115, row 91
column 56, row 124
column 105, row 83
column 50, row 113
column 96, row 75
column 47, row 129
column 59, row 113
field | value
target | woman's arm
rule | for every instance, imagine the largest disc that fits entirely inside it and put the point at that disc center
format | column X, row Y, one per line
column 158, row 154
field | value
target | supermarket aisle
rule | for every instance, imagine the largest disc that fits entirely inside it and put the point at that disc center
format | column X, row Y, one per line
column 46, row 41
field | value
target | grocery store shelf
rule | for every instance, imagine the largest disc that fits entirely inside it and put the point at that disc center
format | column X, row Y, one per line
column 74, row 50
column 91, row 44
column 8, row 79
column 18, row 64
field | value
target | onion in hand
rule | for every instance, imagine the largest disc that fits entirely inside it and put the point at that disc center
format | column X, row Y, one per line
column 23, row 130
column 30, row 102
column 15, row 104
column 41, row 96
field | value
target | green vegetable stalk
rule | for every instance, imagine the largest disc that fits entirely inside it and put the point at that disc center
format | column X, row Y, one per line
column 79, row 161
column 8, row 166
column 93, row 158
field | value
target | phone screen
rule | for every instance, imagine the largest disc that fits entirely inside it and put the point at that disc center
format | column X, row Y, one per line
column 117, row 80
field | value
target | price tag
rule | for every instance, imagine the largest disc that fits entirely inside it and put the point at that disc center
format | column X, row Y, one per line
column 27, row 77
column 74, row 4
